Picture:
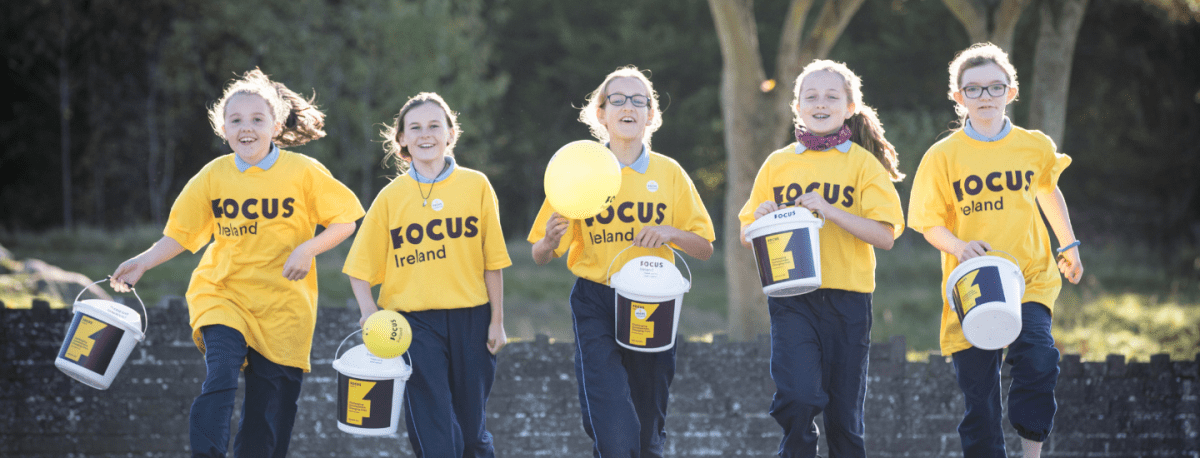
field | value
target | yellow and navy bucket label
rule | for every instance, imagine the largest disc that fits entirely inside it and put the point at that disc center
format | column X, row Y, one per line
column 91, row 343
column 977, row 287
column 784, row 256
column 365, row 403
column 645, row 324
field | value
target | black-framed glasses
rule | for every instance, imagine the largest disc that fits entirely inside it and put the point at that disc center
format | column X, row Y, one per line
column 618, row 99
column 994, row 90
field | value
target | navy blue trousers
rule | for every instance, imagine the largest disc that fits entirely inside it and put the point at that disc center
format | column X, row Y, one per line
column 819, row 347
column 1031, row 404
column 446, row 396
column 268, row 411
column 622, row 393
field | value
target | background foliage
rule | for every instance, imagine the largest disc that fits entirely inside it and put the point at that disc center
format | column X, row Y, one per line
column 122, row 87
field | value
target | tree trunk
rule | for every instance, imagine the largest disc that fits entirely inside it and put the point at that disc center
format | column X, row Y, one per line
column 64, row 107
column 757, row 122
column 985, row 20
column 743, row 107
column 1052, row 66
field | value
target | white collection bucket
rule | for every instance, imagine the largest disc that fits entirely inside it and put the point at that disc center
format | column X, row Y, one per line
column 100, row 339
column 787, row 251
column 370, row 391
column 985, row 292
column 649, row 298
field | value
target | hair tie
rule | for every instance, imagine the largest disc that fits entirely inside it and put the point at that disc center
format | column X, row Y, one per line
column 292, row 119
column 1069, row 246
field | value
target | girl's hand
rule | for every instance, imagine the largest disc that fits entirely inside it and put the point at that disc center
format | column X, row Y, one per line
column 1070, row 265
column 298, row 263
column 814, row 202
column 655, row 236
column 497, row 339
column 972, row 249
column 555, row 228
column 126, row 275
column 766, row 208
column 363, row 321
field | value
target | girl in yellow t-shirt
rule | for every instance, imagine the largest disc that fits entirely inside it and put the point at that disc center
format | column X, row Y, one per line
column 978, row 190
column 622, row 392
column 432, row 238
column 842, row 167
column 252, row 300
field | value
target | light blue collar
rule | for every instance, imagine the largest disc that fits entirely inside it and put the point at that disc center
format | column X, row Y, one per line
column 639, row 165
column 974, row 134
column 264, row 164
column 412, row 172
column 843, row 147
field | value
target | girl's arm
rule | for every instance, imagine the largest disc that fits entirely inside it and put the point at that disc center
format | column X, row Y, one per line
column 301, row 259
column 494, row 281
column 129, row 272
column 1054, row 205
column 366, row 301
column 875, row 233
column 691, row 243
column 944, row 240
column 543, row 250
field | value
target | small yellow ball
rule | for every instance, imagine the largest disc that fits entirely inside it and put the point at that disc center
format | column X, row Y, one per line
column 387, row 334
column 582, row 179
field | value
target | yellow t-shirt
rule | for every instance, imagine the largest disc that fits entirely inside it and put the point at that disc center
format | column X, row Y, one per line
column 257, row 218
column 433, row 256
column 988, row 191
column 853, row 181
column 663, row 196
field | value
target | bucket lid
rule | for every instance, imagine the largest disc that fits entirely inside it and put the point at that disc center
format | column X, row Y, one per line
column 650, row 276
column 786, row 215
column 114, row 314
column 359, row 362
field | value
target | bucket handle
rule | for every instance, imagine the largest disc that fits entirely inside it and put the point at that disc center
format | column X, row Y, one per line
column 339, row 348
column 677, row 254
column 145, row 321
column 1014, row 258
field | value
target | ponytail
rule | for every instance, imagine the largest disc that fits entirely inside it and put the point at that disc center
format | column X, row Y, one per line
column 867, row 131
column 304, row 122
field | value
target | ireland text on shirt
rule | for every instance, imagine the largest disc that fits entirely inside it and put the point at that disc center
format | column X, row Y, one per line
column 419, row 256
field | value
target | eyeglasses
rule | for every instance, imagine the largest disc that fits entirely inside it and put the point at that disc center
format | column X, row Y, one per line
column 617, row 100
column 994, row 90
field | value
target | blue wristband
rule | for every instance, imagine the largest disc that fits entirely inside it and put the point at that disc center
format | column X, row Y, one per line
column 1069, row 246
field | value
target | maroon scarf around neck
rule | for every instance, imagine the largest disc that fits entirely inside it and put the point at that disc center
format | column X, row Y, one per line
column 818, row 143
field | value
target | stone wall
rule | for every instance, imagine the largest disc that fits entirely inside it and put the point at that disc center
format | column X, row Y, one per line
column 718, row 401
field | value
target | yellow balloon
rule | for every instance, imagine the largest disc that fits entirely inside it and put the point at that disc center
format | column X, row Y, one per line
column 582, row 179
column 387, row 334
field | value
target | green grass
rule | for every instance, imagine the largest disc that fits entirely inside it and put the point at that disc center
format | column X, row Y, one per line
column 1125, row 304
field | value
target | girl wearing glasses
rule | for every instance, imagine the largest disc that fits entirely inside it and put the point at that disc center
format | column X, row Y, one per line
column 842, row 167
column 432, row 238
column 623, row 393
column 978, row 190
